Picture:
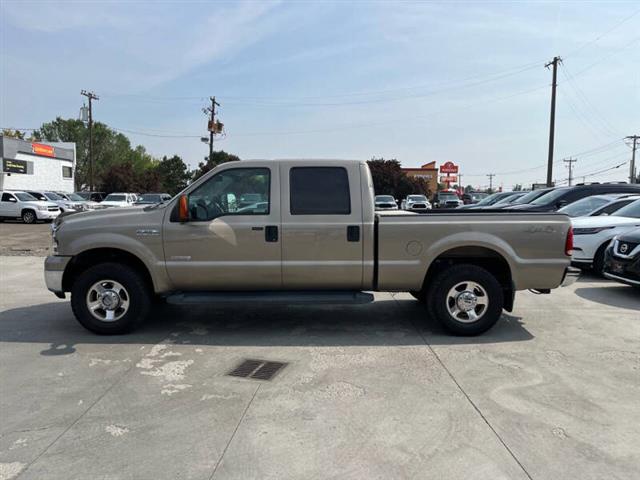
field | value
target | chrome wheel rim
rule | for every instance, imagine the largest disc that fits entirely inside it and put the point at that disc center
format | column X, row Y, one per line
column 28, row 217
column 467, row 302
column 108, row 300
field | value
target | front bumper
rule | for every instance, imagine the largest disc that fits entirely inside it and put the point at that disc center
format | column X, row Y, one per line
column 624, row 269
column 46, row 214
column 571, row 274
column 54, row 266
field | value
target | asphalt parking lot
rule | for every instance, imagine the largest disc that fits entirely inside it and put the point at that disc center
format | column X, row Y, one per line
column 375, row 391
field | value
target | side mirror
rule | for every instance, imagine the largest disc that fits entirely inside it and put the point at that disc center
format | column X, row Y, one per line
column 183, row 208
column 13, row 200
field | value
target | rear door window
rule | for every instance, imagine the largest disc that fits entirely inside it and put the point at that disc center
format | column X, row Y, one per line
column 319, row 191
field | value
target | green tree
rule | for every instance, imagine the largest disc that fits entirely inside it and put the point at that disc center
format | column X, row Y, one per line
column 174, row 174
column 389, row 179
column 9, row 132
column 109, row 147
column 213, row 161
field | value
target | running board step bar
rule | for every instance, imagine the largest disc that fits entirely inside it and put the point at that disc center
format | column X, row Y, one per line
column 272, row 298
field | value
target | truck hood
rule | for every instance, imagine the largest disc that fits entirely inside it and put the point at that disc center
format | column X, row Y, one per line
column 104, row 217
column 603, row 221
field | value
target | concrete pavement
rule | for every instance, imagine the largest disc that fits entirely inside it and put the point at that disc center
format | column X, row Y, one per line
column 374, row 391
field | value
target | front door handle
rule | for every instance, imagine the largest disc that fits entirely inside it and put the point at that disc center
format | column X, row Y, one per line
column 353, row 233
column 271, row 233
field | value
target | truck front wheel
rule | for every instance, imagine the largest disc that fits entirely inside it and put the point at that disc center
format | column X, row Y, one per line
column 110, row 299
column 465, row 299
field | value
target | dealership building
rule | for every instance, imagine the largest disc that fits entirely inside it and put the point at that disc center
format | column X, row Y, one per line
column 37, row 166
column 428, row 172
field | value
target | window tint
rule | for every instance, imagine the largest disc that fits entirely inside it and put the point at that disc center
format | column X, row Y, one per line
column 115, row 198
column 37, row 195
column 614, row 206
column 237, row 191
column 550, row 197
column 584, row 206
column 25, row 197
column 319, row 191
column 631, row 210
column 6, row 197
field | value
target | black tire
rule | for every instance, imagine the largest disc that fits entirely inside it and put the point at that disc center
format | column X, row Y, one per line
column 138, row 294
column 418, row 295
column 598, row 261
column 438, row 300
column 29, row 216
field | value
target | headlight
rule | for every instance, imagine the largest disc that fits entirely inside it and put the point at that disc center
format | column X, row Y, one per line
column 590, row 231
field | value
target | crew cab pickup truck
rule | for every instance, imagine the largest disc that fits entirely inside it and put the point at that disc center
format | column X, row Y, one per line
column 313, row 238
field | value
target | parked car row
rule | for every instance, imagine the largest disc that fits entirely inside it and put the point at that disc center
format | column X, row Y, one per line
column 42, row 205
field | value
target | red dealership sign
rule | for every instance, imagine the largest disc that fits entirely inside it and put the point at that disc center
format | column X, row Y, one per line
column 44, row 150
column 448, row 167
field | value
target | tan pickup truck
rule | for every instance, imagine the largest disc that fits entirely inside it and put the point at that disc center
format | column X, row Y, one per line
column 300, row 232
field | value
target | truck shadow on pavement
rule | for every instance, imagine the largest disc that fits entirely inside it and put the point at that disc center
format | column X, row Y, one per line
column 621, row 296
column 383, row 323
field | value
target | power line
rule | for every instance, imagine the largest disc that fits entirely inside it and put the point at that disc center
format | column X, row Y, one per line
column 606, row 57
column 603, row 34
column 148, row 134
column 608, row 129
column 449, row 85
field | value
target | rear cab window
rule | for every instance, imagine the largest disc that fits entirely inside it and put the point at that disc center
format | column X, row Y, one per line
column 319, row 191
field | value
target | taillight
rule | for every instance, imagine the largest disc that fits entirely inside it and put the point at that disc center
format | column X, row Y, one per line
column 568, row 244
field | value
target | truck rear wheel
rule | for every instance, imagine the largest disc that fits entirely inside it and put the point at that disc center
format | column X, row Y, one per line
column 465, row 299
column 110, row 299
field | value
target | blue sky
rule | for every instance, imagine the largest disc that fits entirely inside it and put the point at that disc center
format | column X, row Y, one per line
column 416, row 81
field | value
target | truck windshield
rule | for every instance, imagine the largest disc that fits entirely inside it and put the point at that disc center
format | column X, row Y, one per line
column 417, row 198
column 384, row 198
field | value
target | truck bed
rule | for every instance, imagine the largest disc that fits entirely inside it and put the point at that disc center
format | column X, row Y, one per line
column 531, row 244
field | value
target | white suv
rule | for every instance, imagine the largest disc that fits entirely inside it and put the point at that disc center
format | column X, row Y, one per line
column 25, row 206
column 64, row 204
column 119, row 200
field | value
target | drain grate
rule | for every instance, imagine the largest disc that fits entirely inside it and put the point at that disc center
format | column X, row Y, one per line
column 257, row 369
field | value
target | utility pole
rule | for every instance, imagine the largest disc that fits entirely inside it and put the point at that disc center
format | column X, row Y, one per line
column 491, row 175
column 552, row 120
column 570, row 161
column 91, row 96
column 632, row 168
column 213, row 127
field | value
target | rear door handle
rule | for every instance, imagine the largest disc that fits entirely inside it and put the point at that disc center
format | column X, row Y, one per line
column 271, row 233
column 353, row 233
